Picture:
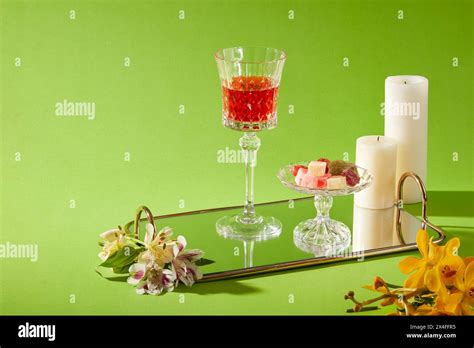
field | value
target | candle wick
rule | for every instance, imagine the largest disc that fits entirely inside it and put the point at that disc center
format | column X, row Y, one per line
column 405, row 82
column 378, row 138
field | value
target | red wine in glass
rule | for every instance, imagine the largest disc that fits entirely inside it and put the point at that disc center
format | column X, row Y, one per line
column 250, row 103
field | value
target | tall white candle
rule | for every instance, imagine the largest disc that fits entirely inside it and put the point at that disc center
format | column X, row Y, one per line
column 372, row 228
column 406, row 120
column 377, row 154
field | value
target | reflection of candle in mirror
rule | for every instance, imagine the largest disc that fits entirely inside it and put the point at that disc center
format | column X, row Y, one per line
column 377, row 154
column 372, row 228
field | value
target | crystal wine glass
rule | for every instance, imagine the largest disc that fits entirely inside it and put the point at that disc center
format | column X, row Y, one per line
column 250, row 77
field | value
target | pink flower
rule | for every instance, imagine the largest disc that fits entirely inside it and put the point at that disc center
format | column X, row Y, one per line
column 137, row 273
column 183, row 264
column 157, row 280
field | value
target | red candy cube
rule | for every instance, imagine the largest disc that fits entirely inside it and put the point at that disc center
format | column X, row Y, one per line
column 321, row 180
column 295, row 168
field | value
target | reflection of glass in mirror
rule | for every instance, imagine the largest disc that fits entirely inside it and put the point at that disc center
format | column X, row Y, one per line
column 372, row 228
column 248, row 253
column 249, row 244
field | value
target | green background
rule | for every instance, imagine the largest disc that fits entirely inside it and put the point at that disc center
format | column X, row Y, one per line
column 173, row 157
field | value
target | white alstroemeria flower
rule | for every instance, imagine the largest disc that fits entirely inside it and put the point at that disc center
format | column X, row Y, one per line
column 150, row 231
column 113, row 240
column 163, row 253
column 184, row 265
column 104, row 255
column 165, row 233
column 182, row 241
column 157, row 281
column 147, row 258
column 137, row 273
column 161, row 237
column 168, row 279
column 141, row 288
column 111, row 235
column 159, row 249
column 179, row 245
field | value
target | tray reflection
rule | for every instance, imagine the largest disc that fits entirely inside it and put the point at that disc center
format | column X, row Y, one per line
column 373, row 232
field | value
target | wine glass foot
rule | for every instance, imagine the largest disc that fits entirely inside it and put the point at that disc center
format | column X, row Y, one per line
column 241, row 227
column 322, row 237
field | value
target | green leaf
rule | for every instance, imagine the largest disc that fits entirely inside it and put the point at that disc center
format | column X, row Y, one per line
column 123, row 269
column 106, row 274
column 122, row 257
column 204, row 262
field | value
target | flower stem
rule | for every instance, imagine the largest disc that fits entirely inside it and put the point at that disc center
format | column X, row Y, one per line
column 393, row 285
column 137, row 241
column 359, row 305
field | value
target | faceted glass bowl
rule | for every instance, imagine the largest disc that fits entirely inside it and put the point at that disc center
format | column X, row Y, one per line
column 287, row 179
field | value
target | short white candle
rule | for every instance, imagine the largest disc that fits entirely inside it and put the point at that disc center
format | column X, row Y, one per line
column 377, row 154
column 406, row 120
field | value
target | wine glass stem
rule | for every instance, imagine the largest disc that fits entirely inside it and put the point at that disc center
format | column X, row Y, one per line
column 249, row 143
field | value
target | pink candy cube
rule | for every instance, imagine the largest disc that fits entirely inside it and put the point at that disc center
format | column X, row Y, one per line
column 299, row 176
column 306, row 179
column 309, row 180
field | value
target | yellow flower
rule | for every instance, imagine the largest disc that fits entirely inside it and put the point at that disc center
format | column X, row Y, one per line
column 445, row 278
column 451, row 267
column 380, row 286
column 430, row 255
column 447, row 302
column 440, row 282
column 426, row 310
column 466, row 287
column 468, row 260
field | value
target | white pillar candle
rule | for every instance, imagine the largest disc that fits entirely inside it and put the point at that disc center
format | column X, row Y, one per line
column 372, row 228
column 377, row 154
column 406, row 120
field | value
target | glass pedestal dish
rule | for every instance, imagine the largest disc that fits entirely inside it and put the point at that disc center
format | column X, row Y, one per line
column 322, row 236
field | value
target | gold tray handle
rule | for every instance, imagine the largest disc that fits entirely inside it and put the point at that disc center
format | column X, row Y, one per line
column 424, row 199
column 136, row 222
